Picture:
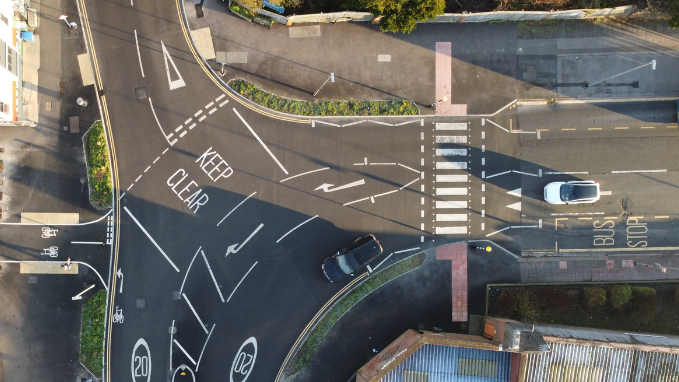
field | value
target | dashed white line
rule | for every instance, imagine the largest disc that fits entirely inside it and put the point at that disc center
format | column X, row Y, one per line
column 201, row 119
column 299, row 225
column 192, row 126
column 241, row 280
column 139, row 177
column 131, row 185
column 212, row 111
column 410, row 168
column 187, row 121
column 147, row 168
column 223, row 103
column 209, row 105
column 164, row 151
column 154, row 162
column 183, row 134
column 261, row 142
column 202, row 325
column 636, row 171
column 179, row 128
column 199, row 112
column 305, row 173
column 220, row 97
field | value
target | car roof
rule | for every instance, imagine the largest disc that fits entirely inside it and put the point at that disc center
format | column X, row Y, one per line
column 368, row 249
column 585, row 191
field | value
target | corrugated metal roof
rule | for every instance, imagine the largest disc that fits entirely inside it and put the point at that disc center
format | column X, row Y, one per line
column 452, row 364
column 607, row 336
column 570, row 363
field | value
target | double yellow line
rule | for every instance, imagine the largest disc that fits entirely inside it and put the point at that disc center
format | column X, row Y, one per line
column 203, row 66
column 114, row 178
column 311, row 323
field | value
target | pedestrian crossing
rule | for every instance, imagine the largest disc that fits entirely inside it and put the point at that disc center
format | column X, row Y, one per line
column 451, row 190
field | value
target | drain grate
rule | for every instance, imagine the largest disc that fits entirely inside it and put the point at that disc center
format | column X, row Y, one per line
column 141, row 303
column 141, row 94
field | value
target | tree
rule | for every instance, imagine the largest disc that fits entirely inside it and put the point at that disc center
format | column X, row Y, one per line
column 403, row 15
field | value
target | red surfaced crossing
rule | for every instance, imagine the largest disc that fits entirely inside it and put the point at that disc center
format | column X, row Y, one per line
column 457, row 254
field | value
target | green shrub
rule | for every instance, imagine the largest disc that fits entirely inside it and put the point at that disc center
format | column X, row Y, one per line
column 92, row 334
column 321, row 107
column 518, row 304
column 644, row 303
column 594, row 297
column 620, row 295
column 98, row 170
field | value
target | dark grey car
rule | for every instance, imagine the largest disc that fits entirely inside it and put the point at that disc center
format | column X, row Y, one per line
column 351, row 258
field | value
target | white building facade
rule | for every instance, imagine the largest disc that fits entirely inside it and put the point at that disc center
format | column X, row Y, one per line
column 10, row 64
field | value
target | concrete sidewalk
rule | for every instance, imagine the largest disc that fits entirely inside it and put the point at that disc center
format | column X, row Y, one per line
column 491, row 64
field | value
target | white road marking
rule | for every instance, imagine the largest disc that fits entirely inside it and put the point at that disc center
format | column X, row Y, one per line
column 179, row 128
column 214, row 280
column 515, row 206
column 408, row 184
column 636, row 171
column 451, row 165
column 327, row 123
column 451, row 204
column 493, row 233
column 187, row 121
column 241, row 280
column 183, row 133
column 261, row 142
column 524, row 173
column 353, row 123
column 192, row 126
column 150, row 238
column 483, row 148
column 483, row 161
column 158, row 122
column 451, row 139
column 326, row 187
column 498, row 174
column 205, row 344
column 137, row 180
column 566, row 173
column 299, row 225
column 355, row 201
column 176, row 84
column 234, row 248
column 202, row 325
column 385, row 193
column 234, row 208
column 451, row 178
column 154, row 162
column 409, row 168
column 451, row 126
column 516, row 192
column 451, row 191
column 88, row 242
column 223, row 103
column 305, row 173
column 606, row 193
column 209, row 105
column 184, row 351
column 201, row 119
column 385, row 259
column 164, row 151
column 171, row 341
column 199, row 112
column 382, row 164
column 662, row 217
column 497, row 125
column 121, row 196
column 576, row 213
column 381, row 123
column 181, row 289
column 451, row 217
column 451, row 230
column 220, row 97
column 136, row 42
column 407, row 250
column 131, row 185
column 450, row 152
column 483, row 213
column 405, row 123
column 212, row 111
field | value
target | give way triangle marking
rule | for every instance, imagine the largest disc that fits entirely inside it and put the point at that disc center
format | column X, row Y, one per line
column 516, row 192
column 515, row 206
column 176, row 84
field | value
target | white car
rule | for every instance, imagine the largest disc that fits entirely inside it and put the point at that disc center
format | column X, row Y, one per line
column 574, row 192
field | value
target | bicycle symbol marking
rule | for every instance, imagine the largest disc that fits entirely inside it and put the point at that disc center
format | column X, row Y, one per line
column 118, row 316
column 244, row 361
column 51, row 252
column 48, row 232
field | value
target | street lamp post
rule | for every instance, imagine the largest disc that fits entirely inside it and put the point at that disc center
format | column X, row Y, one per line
column 71, row 24
column 444, row 99
column 331, row 78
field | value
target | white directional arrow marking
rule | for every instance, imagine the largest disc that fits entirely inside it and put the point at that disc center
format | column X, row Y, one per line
column 120, row 274
column 515, row 206
column 176, row 84
column 516, row 192
column 326, row 186
column 233, row 249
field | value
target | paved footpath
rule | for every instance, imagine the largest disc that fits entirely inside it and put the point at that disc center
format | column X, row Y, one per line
column 599, row 268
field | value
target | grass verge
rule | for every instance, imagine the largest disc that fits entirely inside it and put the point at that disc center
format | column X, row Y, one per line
column 321, row 107
column 336, row 312
column 645, row 307
column 92, row 333
column 98, row 170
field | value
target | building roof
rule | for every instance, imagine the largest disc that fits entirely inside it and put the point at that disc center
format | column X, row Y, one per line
column 440, row 363
column 577, row 362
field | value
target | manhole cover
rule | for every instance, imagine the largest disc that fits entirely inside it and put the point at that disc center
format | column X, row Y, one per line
column 141, row 303
column 141, row 94
column 32, row 279
column 176, row 295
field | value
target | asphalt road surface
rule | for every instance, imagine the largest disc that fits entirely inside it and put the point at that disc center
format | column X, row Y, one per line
column 227, row 212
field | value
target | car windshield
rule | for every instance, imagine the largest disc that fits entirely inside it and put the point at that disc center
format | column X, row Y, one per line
column 344, row 264
column 570, row 192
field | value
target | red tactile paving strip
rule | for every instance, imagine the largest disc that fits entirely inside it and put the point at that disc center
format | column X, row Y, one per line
column 457, row 254
column 444, row 81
